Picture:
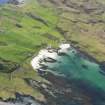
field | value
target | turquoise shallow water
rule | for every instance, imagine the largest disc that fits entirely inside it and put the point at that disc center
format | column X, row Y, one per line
column 84, row 72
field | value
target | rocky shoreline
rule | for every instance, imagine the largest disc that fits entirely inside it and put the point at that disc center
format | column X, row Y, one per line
column 48, row 55
column 90, row 57
column 59, row 88
column 62, row 91
column 59, row 91
column 60, row 83
column 20, row 99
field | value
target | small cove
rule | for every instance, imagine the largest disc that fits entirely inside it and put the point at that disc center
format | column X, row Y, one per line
column 74, row 66
column 82, row 71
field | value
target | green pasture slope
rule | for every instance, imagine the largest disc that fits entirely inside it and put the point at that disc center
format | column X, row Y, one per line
column 27, row 28
column 82, row 22
column 84, row 25
column 24, row 30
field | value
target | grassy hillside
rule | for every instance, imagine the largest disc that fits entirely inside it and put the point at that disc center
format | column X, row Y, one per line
column 87, row 27
column 83, row 23
column 27, row 28
column 24, row 30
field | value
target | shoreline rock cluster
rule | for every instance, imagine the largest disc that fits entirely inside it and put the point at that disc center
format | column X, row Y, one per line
column 48, row 55
column 20, row 99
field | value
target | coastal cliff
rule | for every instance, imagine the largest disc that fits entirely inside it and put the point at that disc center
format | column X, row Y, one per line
column 28, row 26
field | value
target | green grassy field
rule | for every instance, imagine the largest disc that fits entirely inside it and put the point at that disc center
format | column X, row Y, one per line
column 23, row 32
column 87, row 36
column 83, row 23
column 86, row 28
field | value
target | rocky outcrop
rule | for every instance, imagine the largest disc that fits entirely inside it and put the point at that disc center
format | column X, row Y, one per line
column 51, row 37
column 102, row 66
column 49, row 60
column 38, row 18
column 8, row 66
column 16, row 2
column 21, row 99
column 59, row 91
column 18, row 25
